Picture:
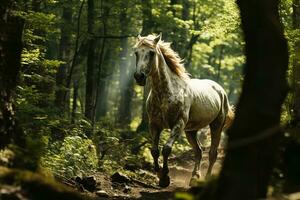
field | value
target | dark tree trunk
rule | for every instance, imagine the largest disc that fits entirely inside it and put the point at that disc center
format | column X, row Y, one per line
column 102, row 102
column 102, row 66
column 98, row 86
column 75, row 98
column 189, row 50
column 147, row 17
column 188, row 53
column 185, row 10
column 103, row 84
column 254, row 136
column 90, row 76
column 11, row 29
column 64, row 55
column 296, row 65
column 126, row 78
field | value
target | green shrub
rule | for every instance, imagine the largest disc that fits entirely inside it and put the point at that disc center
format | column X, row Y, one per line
column 75, row 156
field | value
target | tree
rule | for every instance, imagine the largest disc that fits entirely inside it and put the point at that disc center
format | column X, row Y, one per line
column 103, row 84
column 64, row 55
column 11, row 29
column 90, row 76
column 254, row 135
column 125, row 80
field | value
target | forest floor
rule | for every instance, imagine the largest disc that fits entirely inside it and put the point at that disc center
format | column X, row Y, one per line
column 145, row 187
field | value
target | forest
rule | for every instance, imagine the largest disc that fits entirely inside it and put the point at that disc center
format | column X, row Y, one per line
column 80, row 111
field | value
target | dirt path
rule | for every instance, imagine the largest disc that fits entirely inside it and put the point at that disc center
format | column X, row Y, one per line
column 140, row 189
column 145, row 186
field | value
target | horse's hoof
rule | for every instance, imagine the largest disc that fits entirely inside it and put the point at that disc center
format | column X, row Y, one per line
column 164, row 181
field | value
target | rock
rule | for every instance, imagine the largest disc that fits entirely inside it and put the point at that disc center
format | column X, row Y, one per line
column 131, row 166
column 89, row 183
column 126, row 189
column 78, row 179
column 8, row 192
column 102, row 193
column 119, row 178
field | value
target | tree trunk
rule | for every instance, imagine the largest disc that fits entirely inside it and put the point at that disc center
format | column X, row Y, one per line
column 126, row 78
column 90, row 76
column 102, row 102
column 296, row 65
column 189, row 50
column 147, row 17
column 185, row 10
column 107, row 68
column 255, row 133
column 188, row 53
column 64, row 55
column 11, row 29
column 75, row 98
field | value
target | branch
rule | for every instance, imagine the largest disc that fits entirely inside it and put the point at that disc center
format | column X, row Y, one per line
column 76, row 47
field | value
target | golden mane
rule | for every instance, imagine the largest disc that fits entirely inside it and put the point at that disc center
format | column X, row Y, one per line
column 174, row 62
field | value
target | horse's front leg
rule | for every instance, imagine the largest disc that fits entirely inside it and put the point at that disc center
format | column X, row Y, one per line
column 155, row 135
column 164, row 179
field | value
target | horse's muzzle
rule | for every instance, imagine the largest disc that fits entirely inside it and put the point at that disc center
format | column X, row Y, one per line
column 140, row 78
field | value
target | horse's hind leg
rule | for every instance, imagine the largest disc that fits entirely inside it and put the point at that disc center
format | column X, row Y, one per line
column 192, row 138
column 215, row 130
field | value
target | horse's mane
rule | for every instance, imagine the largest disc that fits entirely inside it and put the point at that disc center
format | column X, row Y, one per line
column 173, row 60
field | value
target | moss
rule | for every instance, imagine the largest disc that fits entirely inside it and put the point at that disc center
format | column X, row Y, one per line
column 36, row 186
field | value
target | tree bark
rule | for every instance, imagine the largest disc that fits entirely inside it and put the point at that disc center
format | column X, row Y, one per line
column 11, row 29
column 75, row 98
column 90, row 76
column 64, row 55
column 185, row 9
column 101, row 108
column 254, row 136
column 188, row 53
column 125, row 80
column 147, row 17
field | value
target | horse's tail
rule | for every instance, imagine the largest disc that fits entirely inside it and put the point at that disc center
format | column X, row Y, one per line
column 229, row 117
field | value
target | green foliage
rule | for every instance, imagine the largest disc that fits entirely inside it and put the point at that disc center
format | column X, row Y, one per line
column 75, row 156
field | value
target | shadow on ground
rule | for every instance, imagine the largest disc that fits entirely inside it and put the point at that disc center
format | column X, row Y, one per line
column 157, row 195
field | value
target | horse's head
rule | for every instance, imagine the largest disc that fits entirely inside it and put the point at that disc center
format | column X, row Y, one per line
column 145, row 52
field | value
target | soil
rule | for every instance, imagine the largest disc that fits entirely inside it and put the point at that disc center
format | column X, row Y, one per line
column 145, row 186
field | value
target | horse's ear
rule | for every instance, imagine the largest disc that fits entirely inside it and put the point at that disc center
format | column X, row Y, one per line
column 139, row 37
column 158, row 38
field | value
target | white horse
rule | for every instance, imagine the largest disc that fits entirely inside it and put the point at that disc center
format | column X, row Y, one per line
column 179, row 103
